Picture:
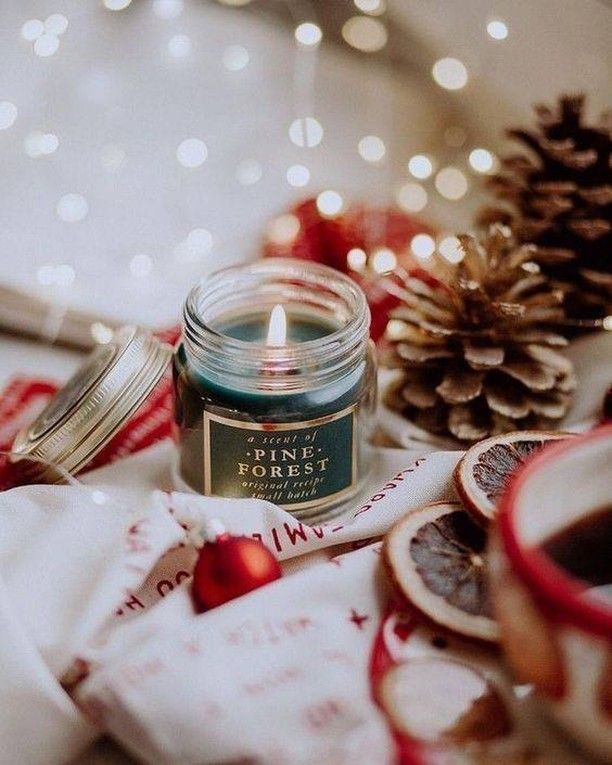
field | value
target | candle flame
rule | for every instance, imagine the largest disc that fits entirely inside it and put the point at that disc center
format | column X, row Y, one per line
column 277, row 327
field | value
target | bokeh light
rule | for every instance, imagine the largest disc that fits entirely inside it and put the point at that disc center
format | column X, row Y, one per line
column 8, row 114
column 481, row 160
column 39, row 143
column 450, row 249
column 365, row 33
column 330, row 203
column 497, row 29
column 420, row 166
column 101, row 333
column 356, row 259
column 191, row 152
column 56, row 24
column 141, row 265
column 32, row 29
column 167, row 9
column 383, row 260
column 72, row 208
column 298, row 175
column 396, row 329
column 179, row 46
column 45, row 275
column 306, row 132
column 451, row 183
column 195, row 246
column 98, row 497
column 199, row 242
column 31, row 144
column 235, row 57
column 283, row 229
column 411, row 197
column 450, row 73
column 422, row 246
column 308, row 34
column 371, row 148
column 62, row 275
column 373, row 7
column 46, row 45
column 116, row 5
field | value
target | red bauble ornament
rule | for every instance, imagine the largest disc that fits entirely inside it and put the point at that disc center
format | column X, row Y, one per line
column 230, row 566
column 329, row 241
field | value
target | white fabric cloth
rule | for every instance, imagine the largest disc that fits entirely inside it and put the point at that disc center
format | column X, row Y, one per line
column 94, row 580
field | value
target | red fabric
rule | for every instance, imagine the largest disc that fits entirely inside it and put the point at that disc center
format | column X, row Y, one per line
column 20, row 403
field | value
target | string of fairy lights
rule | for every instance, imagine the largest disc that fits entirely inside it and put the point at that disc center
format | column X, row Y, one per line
column 364, row 31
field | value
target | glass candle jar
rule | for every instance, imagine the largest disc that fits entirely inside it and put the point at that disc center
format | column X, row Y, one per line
column 275, row 383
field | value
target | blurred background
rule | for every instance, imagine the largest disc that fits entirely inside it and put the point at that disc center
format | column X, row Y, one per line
column 146, row 143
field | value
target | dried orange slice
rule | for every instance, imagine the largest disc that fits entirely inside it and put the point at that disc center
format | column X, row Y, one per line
column 443, row 701
column 483, row 472
column 436, row 558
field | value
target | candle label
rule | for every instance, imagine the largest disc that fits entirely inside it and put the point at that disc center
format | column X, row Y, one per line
column 296, row 465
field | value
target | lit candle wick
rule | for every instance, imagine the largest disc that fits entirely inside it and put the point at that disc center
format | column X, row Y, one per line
column 277, row 327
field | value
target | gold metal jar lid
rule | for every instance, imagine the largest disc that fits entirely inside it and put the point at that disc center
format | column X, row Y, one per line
column 96, row 401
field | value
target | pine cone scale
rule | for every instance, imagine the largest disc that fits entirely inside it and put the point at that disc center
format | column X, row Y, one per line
column 550, row 357
column 419, row 354
column 590, row 229
column 507, row 401
column 460, row 386
column 531, row 373
column 550, row 405
column 467, row 424
column 483, row 356
column 599, row 196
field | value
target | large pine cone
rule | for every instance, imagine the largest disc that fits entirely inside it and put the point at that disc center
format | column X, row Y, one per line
column 559, row 196
column 476, row 355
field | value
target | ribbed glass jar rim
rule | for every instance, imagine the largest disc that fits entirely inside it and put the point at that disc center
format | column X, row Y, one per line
column 241, row 290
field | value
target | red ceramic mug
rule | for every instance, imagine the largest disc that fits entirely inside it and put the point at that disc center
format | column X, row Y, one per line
column 556, row 630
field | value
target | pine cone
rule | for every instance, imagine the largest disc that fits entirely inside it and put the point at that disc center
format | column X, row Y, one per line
column 476, row 355
column 560, row 198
